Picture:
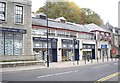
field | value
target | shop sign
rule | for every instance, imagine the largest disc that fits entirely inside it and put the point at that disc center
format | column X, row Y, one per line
column 88, row 46
column 14, row 30
column 103, row 46
column 65, row 40
column 44, row 39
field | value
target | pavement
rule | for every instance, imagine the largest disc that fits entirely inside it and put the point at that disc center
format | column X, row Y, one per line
column 56, row 65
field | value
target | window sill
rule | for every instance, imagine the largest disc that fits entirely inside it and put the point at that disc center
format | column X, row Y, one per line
column 1, row 21
column 19, row 23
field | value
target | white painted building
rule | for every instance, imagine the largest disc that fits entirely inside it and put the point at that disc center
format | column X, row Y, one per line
column 62, row 36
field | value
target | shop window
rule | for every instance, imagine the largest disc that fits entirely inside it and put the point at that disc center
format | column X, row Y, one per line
column 18, row 44
column 1, row 44
column 8, row 44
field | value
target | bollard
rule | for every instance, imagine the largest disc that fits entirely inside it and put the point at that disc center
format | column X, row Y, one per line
column 85, row 60
column 111, row 58
column 91, row 60
column 77, row 62
column 103, row 59
column 97, row 59
column 107, row 58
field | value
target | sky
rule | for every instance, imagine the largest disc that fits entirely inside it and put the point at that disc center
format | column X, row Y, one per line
column 107, row 9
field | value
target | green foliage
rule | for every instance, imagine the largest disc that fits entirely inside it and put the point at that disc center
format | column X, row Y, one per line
column 71, row 12
column 92, row 17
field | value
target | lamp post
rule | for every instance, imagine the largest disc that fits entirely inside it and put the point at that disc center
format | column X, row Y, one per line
column 47, row 33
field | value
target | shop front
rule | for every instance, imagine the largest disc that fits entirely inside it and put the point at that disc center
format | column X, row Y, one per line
column 11, row 41
column 88, row 51
column 68, row 48
column 40, row 48
column 104, row 51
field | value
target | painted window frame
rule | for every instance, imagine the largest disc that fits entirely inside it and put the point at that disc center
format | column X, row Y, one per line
column 3, row 11
column 19, row 12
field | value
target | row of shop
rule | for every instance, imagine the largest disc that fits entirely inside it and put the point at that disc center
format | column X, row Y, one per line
column 11, row 43
column 63, row 52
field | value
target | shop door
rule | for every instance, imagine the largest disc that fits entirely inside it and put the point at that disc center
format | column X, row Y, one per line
column 54, row 55
column 76, row 54
column 93, row 54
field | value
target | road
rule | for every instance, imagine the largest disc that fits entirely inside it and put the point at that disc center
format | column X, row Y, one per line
column 79, row 73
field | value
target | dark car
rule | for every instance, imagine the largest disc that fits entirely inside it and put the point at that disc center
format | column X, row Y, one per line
column 117, row 56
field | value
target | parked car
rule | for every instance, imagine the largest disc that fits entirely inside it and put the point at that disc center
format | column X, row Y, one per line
column 117, row 56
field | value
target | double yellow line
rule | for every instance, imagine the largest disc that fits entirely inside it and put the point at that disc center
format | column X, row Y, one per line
column 107, row 77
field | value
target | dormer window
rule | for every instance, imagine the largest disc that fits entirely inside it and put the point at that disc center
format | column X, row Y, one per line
column 61, row 19
column 41, row 16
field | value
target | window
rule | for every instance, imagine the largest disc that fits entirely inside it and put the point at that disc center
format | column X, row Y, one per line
column 2, row 11
column 60, row 33
column 52, row 32
column 119, row 32
column 18, row 14
column 67, row 34
column 73, row 34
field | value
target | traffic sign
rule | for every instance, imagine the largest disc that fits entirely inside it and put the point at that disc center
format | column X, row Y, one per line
column 113, row 51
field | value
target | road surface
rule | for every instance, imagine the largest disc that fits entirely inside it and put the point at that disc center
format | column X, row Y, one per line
column 79, row 73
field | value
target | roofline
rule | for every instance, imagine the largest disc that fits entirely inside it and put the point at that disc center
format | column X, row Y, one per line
column 101, row 31
column 60, row 29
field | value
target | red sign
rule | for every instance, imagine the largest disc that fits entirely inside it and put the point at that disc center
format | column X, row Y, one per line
column 113, row 51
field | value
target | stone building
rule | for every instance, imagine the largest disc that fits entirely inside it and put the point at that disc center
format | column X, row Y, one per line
column 15, row 28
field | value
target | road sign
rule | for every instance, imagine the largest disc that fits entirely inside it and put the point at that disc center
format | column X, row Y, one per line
column 113, row 51
column 103, row 46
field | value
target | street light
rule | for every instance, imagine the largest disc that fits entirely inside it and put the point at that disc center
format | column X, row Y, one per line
column 47, row 32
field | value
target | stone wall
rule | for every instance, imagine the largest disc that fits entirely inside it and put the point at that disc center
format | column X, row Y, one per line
column 15, row 58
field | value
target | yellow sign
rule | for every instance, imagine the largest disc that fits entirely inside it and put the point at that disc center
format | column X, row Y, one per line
column 72, row 54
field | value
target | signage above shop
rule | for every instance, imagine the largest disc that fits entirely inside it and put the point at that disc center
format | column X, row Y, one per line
column 88, row 46
column 4, row 29
column 103, row 46
column 44, row 39
column 66, row 40
column 69, row 41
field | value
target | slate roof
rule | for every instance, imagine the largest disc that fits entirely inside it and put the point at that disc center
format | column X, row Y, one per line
column 68, row 25
column 55, row 24
column 93, row 27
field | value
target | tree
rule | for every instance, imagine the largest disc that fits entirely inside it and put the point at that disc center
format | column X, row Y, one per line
column 71, row 12
column 92, row 17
